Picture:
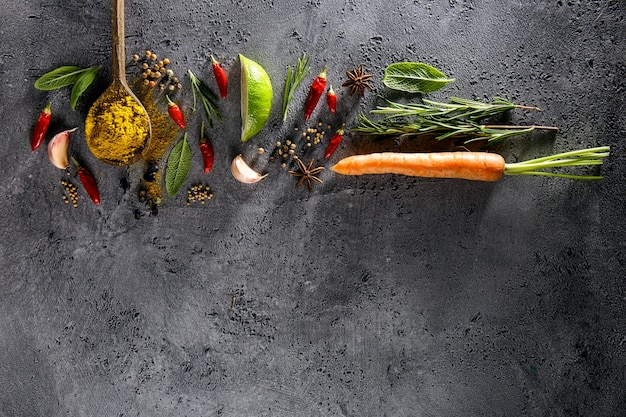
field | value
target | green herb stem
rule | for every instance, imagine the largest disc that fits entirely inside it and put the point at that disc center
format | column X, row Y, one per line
column 458, row 118
column 583, row 157
column 207, row 96
column 519, row 106
column 458, row 108
column 293, row 79
column 538, row 127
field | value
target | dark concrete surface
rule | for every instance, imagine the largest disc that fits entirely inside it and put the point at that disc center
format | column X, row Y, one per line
column 377, row 296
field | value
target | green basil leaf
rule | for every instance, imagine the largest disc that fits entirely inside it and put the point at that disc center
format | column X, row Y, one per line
column 178, row 165
column 84, row 81
column 414, row 77
column 59, row 78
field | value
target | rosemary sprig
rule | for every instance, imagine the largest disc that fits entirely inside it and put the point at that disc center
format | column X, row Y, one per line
column 458, row 118
column 591, row 156
column 457, row 108
column 209, row 98
column 293, row 80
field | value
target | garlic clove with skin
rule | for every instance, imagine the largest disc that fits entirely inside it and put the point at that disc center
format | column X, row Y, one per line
column 57, row 149
column 243, row 173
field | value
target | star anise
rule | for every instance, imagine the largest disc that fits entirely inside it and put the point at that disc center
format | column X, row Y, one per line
column 307, row 174
column 358, row 81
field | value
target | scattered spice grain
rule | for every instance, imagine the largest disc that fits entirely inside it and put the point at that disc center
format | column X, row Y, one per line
column 199, row 193
column 71, row 193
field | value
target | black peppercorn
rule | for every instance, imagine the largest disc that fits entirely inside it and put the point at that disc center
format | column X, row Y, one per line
column 125, row 183
column 151, row 173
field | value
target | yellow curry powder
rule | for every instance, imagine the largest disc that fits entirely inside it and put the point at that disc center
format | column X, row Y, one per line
column 116, row 129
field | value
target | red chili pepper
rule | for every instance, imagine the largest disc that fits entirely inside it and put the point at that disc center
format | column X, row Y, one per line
column 220, row 77
column 206, row 149
column 41, row 127
column 89, row 182
column 334, row 142
column 175, row 113
column 331, row 99
column 315, row 92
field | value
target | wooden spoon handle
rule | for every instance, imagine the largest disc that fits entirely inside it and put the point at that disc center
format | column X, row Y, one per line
column 118, row 56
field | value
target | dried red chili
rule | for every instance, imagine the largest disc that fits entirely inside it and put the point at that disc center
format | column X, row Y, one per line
column 315, row 92
column 334, row 142
column 220, row 77
column 206, row 149
column 89, row 182
column 176, row 113
column 41, row 127
column 331, row 99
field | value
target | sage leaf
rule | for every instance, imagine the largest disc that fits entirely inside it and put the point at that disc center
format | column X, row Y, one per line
column 414, row 77
column 178, row 165
column 84, row 81
column 59, row 78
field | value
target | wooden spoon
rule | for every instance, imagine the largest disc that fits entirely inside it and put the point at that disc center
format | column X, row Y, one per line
column 118, row 127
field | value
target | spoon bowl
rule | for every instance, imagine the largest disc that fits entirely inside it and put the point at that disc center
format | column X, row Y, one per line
column 117, row 128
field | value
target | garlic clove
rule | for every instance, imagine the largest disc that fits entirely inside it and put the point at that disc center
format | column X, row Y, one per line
column 57, row 149
column 243, row 173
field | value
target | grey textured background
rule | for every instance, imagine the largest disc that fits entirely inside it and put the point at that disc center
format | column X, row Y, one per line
column 378, row 296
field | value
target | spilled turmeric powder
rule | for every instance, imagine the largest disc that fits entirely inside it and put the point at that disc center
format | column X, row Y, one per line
column 164, row 133
column 116, row 129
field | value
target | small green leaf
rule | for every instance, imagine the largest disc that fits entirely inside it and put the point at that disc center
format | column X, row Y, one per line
column 178, row 165
column 414, row 77
column 84, row 81
column 59, row 78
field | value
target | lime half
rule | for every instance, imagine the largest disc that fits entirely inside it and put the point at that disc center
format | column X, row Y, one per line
column 256, row 98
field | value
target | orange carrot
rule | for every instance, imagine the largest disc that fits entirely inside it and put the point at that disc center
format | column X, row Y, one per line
column 479, row 166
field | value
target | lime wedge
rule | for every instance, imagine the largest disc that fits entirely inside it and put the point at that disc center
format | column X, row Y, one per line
column 256, row 98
